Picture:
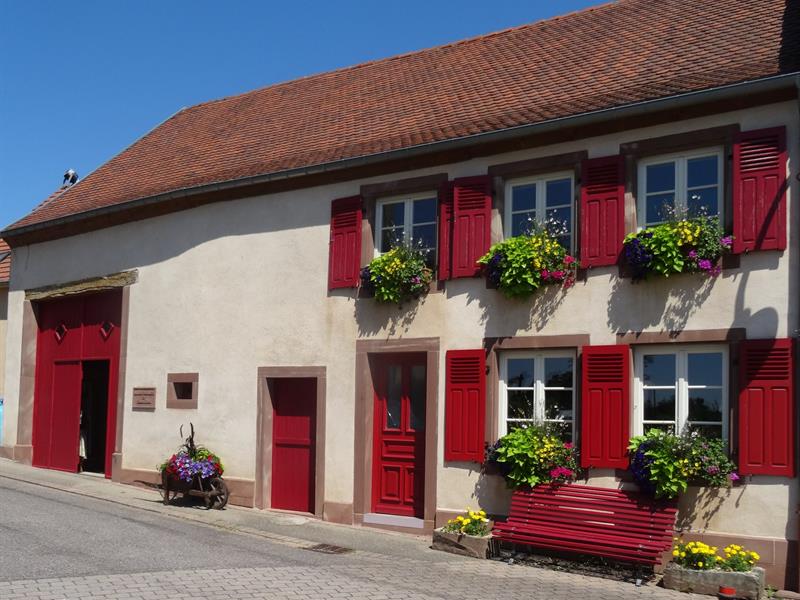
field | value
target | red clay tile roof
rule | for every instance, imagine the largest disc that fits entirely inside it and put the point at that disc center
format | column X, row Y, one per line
column 605, row 56
column 5, row 262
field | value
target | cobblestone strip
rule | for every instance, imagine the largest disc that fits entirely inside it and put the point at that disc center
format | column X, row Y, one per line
column 355, row 576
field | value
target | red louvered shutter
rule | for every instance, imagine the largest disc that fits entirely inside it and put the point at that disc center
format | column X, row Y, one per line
column 759, row 190
column 472, row 211
column 344, row 256
column 445, row 230
column 465, row 405
column 605, row 406
column 602, row 210
column 766, row 414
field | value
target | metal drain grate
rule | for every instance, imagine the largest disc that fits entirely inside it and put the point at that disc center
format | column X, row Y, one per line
column 329, row 549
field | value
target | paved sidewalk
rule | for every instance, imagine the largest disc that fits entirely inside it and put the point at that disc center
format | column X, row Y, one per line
column 382, row 566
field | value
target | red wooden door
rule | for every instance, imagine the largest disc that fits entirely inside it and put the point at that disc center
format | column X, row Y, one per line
column 398, row 477
column 72, row 330
column 294, row 423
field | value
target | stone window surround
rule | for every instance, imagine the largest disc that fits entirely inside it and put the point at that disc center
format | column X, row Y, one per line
column 172, row 397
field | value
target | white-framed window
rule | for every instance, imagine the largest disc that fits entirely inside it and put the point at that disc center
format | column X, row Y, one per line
column 678, row 184
column 409, row 219
column 676, row 387
column 542, row 198
column 537, row 387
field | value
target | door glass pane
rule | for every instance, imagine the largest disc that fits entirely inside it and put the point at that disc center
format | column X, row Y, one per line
column 418, row 397
column 705, row 405
column 702, row 202
column 705, row 368
column 519, row 372
column 660, row 178
column 559, row 192
column 424, row 211
column 558, row 405
column 659, row 369
column 701, row 171
column 394, row 214
column 659, row 405
column 523, row 197
column 558, row 372
column 520, row 404
column 394, row 392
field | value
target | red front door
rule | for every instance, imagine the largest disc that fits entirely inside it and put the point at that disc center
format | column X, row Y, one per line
column 398, row 474
column 294, row 424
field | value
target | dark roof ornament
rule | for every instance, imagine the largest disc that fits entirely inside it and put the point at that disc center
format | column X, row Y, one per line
column 70, row 178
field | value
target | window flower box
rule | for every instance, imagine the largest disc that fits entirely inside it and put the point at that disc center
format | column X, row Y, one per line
column 520, row 265
column 397, row 276
column 682, row 246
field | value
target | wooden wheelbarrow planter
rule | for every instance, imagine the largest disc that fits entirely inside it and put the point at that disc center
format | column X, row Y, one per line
column 213, row 490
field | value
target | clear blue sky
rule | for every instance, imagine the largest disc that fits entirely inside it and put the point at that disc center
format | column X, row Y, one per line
column 80, row 81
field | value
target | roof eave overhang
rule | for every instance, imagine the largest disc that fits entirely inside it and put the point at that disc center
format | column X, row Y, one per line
column 17, row 236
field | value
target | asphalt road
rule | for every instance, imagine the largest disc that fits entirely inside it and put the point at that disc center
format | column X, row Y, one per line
column 49, row 533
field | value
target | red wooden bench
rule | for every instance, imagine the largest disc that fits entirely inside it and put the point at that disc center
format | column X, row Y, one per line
column 612, row 523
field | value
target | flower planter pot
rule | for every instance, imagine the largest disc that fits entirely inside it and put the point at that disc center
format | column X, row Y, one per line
column 748, row 585
column 461, row 543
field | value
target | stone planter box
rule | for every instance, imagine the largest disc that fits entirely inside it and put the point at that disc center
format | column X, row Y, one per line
column 461, row 543
column 748, row 585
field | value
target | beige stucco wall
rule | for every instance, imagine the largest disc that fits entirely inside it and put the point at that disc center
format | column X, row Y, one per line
column 226, row 288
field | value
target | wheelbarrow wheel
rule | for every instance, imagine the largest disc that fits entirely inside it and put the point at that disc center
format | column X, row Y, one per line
column 218, row 493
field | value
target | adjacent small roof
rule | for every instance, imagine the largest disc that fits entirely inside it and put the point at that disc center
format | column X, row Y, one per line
column 602, row 57
column 5, row 262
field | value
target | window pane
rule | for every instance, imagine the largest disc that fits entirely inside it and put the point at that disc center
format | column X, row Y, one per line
column 702, row 202
column 659, row 207
column 701, row 171
column 659, row 405
column 523, row 197
column 521, row 223
column 418, row 397
column 558, row 404
column 394, row 214
column 391, row 238
column 394, row 389
column 708, row 430
column 424, row 210
column 559, row 220
column 660, row 178
column 659, row 369
column 424, row 235
column 520, row 404
column 520, row 372
column 705, row 405
column 558, row 372
column 705, row 368
column 559, row 192
column 661, row 426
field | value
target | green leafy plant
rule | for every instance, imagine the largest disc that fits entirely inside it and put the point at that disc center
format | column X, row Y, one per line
column 520, row 265
column 677, row 246
column 398, row 275
column 663, row 463
column 471, row 523
column 535, row 454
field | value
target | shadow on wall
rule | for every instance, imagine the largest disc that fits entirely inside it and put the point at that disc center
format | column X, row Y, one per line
column 697, row 506
column 373, row 317
column 492, row 494
column 504, row 315
column 664, row 301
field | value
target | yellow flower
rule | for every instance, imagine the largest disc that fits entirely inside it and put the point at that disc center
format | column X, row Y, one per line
column 699, row 564
column 683, row 554
column 675, row 553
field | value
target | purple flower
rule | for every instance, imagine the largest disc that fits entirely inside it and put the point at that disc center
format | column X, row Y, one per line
column 726, row 241
column 734, row 476
column 704, row 264
column 692, row 253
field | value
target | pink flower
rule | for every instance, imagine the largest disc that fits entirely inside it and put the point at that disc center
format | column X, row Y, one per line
column 560, row 472
column 734, row 476
column 558, row 274
column 693, row 254
column 568, row 445
column 568, row 260
column 545, row 273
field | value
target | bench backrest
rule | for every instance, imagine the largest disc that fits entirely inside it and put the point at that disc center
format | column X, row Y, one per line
column 601, row 512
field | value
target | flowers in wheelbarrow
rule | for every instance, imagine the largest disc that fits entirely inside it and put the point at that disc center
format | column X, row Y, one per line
column 183, row 466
